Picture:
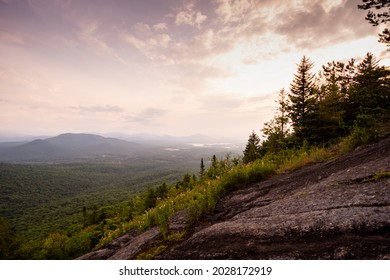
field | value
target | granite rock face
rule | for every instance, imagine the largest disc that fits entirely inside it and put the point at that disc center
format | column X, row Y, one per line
column 338, row 209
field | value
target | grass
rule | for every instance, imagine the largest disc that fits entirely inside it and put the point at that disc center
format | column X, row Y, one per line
column 198, row 201
column 382, row 175
column 377, row 177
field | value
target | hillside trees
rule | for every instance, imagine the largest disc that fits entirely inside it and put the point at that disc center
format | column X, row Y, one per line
column 6, row 239
column 344, row 98
column 369, row 101
column 371, row 88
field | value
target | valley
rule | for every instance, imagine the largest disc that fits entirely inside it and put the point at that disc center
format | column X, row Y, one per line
column 46, row 183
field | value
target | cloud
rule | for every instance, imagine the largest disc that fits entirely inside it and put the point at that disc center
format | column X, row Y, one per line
column 234, row 10
column 189, row 79
column 98, row 109
column 188, row 16
column 221, row 103
column 29, row 82
column 152, row 47
column 89, row 34
column 142, row 30
column 162, row 26
column 11, row 38
column 318, row 25
column 146, row 117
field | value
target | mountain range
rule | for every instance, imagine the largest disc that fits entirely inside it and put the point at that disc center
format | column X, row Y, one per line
column 71, row 147
column 67, row 147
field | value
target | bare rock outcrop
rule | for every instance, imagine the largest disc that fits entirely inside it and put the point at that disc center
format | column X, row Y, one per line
column 125, row 247
column 338, row 209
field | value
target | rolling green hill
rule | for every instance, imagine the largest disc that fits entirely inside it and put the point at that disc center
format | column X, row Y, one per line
column 46, row 183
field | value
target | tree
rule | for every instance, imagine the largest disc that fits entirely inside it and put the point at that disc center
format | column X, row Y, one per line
column 339, row 77
column 148, row 199
column 302, row 99
column 214, row 169
column 328, row 119
column 202, row 169
column 214, row 162
column 276, row 130
column 281, row 117
column 376, row 19
column 252, row 150
column 54, row 246
column 6, row 239
column 371, row 87
column 162, row 191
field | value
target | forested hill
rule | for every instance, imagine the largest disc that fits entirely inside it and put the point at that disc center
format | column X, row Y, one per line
column 70, row 147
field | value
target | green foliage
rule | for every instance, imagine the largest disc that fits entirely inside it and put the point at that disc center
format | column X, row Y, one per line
column 165, row 211
column 202, row 169
column 276, row 130
column 39, row 199
column 343, row 99
column 382, row 175
column 6, row 239
column 54, row 246
column 304, row 156
column 302, row 101
column 252, row 150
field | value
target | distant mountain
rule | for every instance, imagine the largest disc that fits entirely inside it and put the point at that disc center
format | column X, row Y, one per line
column 68, row 147
column 164, row 140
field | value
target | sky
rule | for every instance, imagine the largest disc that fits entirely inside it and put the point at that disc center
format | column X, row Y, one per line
column 176, row 67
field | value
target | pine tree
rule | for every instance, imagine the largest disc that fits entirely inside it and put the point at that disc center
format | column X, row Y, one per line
column 252, row 149
column 281, row 117
column 339, row 77
column 162, row 191
column 202, row 169
column 378, row 18
column 302, row 101
column 276, row 130
column 371, row 87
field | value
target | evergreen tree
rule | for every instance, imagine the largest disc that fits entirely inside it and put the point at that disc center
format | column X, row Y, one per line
column 328, row 119
column 202, row 169
column 276, row 130
column 252, row 150
column 371, row 88
column 214, row 162
column 302, row 101
column 281, row 117
column 339, row 77
column 162, row 191
column 149, row 199
column 378, row 18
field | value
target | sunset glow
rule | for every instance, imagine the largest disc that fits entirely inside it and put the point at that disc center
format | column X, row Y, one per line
column 164, row 67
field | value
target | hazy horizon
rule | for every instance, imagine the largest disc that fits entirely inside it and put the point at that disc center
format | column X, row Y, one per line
column 164, row 67
column 148, row 137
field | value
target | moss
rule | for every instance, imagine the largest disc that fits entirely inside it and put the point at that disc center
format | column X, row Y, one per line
column 301, row 193
column 152, row 252
column 377, row 177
